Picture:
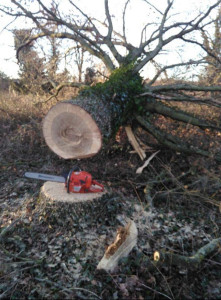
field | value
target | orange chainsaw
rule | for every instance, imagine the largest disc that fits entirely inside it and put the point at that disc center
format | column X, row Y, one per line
column 76, row 181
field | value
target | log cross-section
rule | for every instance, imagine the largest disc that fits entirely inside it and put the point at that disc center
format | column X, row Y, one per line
column 71, row 132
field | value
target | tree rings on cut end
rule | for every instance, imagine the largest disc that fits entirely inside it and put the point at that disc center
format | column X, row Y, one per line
column 71, row 132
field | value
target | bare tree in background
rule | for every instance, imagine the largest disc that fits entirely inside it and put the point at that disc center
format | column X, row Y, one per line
column 31, row 66
column 212, row 71
column 129, row 98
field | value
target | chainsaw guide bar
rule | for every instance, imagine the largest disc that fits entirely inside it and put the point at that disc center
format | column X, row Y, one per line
column 45, row 177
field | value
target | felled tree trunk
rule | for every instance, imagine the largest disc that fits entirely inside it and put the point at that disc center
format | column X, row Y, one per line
column 74, row 129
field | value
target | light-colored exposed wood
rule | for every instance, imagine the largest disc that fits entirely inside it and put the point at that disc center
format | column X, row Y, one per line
column 125, row 241
column 71, row 132
column 140, row 169
column 134, row 142
column 56, row 192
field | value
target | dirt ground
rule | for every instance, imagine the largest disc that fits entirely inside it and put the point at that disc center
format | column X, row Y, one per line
column 50, row 251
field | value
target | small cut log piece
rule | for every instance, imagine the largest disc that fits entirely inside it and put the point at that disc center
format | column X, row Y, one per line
column 125, row 241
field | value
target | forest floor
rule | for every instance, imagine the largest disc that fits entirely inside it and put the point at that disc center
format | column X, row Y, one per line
column 174, row 204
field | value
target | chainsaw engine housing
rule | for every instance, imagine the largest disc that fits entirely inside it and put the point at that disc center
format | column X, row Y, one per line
column 81, row 182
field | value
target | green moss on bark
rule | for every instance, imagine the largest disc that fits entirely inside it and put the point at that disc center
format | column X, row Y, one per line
column 118, row 93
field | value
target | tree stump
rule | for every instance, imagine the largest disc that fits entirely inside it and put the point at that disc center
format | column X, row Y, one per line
column 74, row 129
column 57, row 192
column 53, row 196
column 61, row 208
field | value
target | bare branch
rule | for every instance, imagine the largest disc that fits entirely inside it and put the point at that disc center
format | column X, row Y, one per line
column 208, row 51
column 189, row 63
column 186, row 87
column 179, row 115
column 188, row 261
column 188, row 28
column 4, row 28
column 160, row 12
column 183, row 98
column 107, row 39
column 63, row 85
column 110, row 27
column 124, row 13
column 77, row 35
column 122, row 42
column 98, row 34
column 170, row 141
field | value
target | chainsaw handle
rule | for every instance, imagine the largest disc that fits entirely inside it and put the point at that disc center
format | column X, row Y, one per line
column 95, row 190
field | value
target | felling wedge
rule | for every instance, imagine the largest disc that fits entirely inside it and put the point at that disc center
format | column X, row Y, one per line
column 125, row 241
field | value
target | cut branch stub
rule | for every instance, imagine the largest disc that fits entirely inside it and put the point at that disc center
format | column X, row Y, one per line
column 72, row 129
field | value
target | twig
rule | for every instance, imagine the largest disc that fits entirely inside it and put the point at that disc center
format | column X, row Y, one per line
column 67, row 289
column 61, row 86
column 140, row 169
column 5, row 293
column 155, row 291
column 8, row 228
column 164, row 279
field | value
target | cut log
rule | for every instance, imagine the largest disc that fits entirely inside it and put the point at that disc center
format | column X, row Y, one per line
column 74, row 129
column 125, row 241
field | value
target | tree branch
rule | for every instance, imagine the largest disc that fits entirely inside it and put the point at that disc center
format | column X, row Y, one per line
column 187, row 261
column 189, row 63
column 124, row 13
column 65, row 84
column 108, row 39
column 179, row 115
column 89, row 19
column 110, row 27
column 88, row 44
column 166, row 140
column 183, row 98
column 185, row 87
column 188, row 28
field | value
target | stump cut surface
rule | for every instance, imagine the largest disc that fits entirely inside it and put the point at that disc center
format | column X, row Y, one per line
column 71, row 132
column 56, row 192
